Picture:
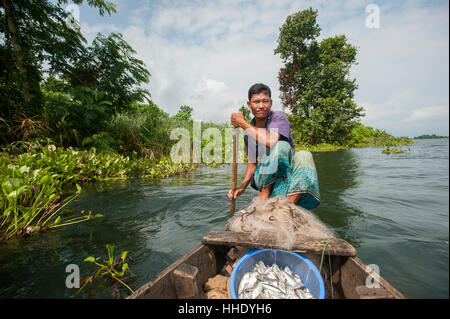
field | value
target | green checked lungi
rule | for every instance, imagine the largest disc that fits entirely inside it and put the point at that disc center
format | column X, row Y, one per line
column 291, row 174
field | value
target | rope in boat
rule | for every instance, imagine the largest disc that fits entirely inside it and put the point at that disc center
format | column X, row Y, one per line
column 325, row 243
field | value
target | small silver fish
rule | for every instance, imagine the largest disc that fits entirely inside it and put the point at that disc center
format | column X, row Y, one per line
column 287, row 270
column 244, row 282
column 261, row 267
column 292, row 282
column 271, row 288
column 256, row 291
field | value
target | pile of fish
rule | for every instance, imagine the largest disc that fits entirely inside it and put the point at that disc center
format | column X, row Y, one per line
column 272, row 283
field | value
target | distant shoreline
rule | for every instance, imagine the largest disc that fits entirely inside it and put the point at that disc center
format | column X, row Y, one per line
column 433, row 136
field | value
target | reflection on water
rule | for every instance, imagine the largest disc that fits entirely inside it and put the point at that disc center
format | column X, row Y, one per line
column 394, row 209
column 338, row 173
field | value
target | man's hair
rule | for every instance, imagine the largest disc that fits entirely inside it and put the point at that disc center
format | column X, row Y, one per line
column 258, row 88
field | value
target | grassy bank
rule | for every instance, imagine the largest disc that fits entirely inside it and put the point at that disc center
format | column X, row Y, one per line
column 366, row 136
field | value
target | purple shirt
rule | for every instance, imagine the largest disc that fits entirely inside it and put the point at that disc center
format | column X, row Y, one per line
column 277, row 120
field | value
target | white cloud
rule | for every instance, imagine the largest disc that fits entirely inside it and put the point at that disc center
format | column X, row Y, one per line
column 392, row 108
column 91, row 31
column 210, row 69
column 433, row 113
column 214, row 86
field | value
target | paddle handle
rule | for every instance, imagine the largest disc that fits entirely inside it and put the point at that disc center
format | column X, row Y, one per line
column 234, row 170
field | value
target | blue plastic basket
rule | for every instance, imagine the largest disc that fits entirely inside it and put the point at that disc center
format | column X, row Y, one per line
column 297, row 263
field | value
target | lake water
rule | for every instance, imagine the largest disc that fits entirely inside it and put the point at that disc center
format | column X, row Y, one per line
column 392, row 208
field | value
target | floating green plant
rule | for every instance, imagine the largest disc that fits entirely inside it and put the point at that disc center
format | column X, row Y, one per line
column 394, row 150
column 115, row 269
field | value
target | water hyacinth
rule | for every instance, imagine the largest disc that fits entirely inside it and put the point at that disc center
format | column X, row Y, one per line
column 34, row 192
column 112, row 268
column 36, row 186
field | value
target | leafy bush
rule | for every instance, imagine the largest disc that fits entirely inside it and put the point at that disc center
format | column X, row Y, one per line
column 145, row 129
column 362, row 136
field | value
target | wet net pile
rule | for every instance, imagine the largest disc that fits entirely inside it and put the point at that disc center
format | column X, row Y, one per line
column 280, row 219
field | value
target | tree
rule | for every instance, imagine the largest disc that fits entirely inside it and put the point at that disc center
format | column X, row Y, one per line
column 110, row 67
column 184, row 113
column 102, row 83
column 34, row 33
column 314, row 80
column 246, row 111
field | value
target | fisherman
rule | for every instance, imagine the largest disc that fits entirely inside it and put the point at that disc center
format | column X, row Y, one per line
column 281, row 171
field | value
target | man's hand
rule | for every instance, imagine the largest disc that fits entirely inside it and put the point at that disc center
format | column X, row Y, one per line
column 237, row 192
column 237, row 119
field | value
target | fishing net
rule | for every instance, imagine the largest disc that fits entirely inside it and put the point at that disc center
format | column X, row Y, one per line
column 280, row 219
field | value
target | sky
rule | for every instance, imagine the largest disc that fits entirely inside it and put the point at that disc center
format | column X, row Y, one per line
column 207, row 54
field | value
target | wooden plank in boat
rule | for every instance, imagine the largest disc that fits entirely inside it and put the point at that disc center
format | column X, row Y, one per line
column 185, row 278
column 162, row 286
column 336, row 247
column 353, row 273
column 373, row 293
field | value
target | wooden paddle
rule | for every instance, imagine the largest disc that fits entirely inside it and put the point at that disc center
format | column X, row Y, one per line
column 234, row 170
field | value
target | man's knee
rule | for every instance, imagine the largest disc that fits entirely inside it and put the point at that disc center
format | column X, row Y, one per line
column 303, row 155
column 303, row 159
column 283, row 149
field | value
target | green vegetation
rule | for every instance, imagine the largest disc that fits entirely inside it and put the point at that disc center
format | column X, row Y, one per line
column 108, row 271
column 394, row 150
column 363, row 136
column 39, row 182
column 360, row 136
column 37, row 40
column 246, row 111
column 32, row 193
column 426, row 136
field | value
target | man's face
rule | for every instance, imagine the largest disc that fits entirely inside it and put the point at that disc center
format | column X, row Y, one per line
column 260, row 105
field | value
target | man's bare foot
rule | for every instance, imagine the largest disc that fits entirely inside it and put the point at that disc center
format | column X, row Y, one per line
column 294, row 198
column 266, row 192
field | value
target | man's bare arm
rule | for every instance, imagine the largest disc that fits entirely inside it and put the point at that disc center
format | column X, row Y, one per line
column 251, row 167
column 262, row 136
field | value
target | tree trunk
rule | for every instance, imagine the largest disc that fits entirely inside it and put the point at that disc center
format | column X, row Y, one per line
column 12, row 30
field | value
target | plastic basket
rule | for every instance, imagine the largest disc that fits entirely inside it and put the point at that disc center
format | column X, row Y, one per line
column 297, row 263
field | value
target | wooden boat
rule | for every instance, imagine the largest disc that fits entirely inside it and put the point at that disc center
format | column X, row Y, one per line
column 345, row 275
